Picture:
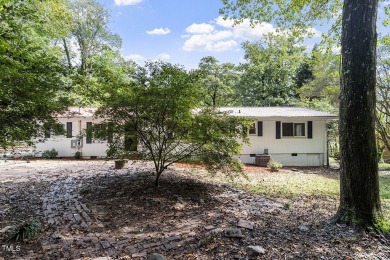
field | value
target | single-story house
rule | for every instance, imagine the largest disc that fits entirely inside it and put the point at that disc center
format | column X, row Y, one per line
column 293, row 136
column 75, row 121
column 290, row 135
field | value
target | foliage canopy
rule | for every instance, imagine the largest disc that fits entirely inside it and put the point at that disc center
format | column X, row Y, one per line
column 31, row 86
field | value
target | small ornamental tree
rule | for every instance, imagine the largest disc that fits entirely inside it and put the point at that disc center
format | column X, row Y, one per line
column 161, row 108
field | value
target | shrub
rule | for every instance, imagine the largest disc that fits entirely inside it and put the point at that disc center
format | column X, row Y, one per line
column 336, row 155
column 274, row 166
column 77, row 155
column 50, row 154
column 25, row 230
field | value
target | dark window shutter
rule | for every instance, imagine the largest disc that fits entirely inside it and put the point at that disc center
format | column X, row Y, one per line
column 69, row 130
column 310, row 129
column 277, row 129
column 259, row 128
column 89, row 133
column 110, row 133
column 47, row 133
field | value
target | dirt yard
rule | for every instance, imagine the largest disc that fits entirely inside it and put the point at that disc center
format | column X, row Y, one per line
column 91, row 211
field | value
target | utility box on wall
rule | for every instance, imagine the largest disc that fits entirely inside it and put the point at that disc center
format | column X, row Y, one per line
column 76, row 143
column 262, row 160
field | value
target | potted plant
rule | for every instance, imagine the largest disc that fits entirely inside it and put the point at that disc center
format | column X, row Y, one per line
column 119, row 156
column 120, row 163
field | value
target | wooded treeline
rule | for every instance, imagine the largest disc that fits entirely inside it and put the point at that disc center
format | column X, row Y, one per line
column 56, row 53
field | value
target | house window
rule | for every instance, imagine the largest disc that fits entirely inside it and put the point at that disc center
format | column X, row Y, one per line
column 88, row 133
column 288, row 129
column 100, row 132
column 252, row 129
column 299, row 129
column 293, row 129
column 69, row 130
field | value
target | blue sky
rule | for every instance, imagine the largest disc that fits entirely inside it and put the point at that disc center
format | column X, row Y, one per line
column 183, row 31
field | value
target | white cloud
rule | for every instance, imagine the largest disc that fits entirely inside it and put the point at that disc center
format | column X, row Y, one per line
column 224, row 45
column 223, row 35
column 210, row 42
column 313, row 32
column 127, row 2
column 227, row 23
column 163, row 56
column 205, row 36
column 200, row 28
column 244, row 30
column 159, row 31
column 140, row 59
column 136, row 58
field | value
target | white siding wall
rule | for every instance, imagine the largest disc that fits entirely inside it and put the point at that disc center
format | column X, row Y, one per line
column 63, row 144
column 309, row 152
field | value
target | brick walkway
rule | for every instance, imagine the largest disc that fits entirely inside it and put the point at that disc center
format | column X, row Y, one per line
column 186, row 218
column 74, row 231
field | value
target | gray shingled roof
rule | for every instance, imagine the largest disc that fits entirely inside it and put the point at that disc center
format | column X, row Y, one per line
column 275, row 112
column 234, row 111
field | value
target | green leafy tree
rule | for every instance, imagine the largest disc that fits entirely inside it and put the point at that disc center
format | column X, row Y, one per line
column 318, row 83
column 89, row 35
column 160, row 107
column 89, row 41
column 304, row 74
column 217, row 81
column 31, row 86
column 267, row 78
column 109, row 71
column 325, row 80
column 359, row 196
column 383, row 102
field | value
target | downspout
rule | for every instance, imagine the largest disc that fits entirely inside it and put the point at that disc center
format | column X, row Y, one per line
column 79, row 147
column 326, row 155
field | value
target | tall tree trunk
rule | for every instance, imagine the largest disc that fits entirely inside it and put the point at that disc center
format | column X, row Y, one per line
column 359, row 198
column 67, row 53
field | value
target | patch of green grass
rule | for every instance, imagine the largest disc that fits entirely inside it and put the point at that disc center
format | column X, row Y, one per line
column 386, row 208
column 384, row 192
column 289, row 185
column 384, row 185
column 384, row 166
column 293, row 184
